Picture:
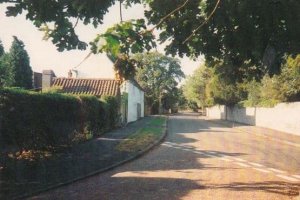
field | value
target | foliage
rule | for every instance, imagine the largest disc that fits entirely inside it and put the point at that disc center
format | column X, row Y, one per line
column 246, row 39
column 58, row 19
column 32, row 120
column 95, row 115
column 284, row 87
column 123, row 40
column 3, row 65
column 53, row 89
column 182, row 101
column 248, row 36
column 225, row 93
column 158, row 75
column 195, row 87
column 1, row 49
column 19, row 72
column 129, row 37
column 4, row 72
column 112, row 111
column 173, row 100
column 253, row 89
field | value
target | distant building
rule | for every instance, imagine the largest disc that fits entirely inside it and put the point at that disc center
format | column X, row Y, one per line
column 129, row 92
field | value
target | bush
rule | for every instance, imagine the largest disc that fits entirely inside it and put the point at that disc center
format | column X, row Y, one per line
column 220, row 91
column 95, row 115
column 112, row 109
column 30, row 120
column 284, row 87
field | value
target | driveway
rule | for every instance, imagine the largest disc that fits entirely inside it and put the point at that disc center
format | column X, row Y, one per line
column 200, row 159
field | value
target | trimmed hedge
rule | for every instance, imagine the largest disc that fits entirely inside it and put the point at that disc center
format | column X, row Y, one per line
column 30, row 120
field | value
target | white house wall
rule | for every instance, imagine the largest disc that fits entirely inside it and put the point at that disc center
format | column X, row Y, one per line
column 135, row 96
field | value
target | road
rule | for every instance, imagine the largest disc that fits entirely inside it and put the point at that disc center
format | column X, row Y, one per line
column 200, row 159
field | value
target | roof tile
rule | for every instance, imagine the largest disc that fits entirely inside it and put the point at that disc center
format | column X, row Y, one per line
column 97, row 87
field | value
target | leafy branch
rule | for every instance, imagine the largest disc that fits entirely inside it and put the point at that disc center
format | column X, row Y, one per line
column 201, row 25
column 168, row 15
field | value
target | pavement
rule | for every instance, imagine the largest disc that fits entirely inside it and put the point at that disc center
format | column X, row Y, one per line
column 82, row 161
column 201, row 159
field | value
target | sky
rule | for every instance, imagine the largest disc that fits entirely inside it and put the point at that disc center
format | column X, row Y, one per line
column 43, row 54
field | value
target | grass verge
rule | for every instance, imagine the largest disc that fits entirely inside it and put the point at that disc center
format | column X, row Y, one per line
column 144, row 136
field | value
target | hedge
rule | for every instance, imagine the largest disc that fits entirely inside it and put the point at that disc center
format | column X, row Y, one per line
column 30, row 120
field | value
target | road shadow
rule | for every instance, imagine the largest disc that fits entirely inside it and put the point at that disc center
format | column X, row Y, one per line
column 165, row 173
column 277, row 187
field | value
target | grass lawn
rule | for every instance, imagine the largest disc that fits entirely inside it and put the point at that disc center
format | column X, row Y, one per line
column 144, row 136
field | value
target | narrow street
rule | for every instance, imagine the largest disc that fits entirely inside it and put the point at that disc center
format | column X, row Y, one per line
column 200, row 159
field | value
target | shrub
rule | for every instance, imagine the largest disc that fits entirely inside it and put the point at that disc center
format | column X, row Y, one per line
column 30, row 120
column 113, row 111
column 284, row 87
column 220, row 91
column 95, row 115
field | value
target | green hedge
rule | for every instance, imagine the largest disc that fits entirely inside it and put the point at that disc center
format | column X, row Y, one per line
column 30, row 120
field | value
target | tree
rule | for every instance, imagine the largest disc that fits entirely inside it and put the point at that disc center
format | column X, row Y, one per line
column 3, row 68
column 249, row 36
column 120, row 42
column 1, row 49
column 19, row 72
column 195, row 86
column 159, row 76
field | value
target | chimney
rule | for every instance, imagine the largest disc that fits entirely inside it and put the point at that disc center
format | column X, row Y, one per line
column 47, row 78
column 70, row 74
column 74, row 73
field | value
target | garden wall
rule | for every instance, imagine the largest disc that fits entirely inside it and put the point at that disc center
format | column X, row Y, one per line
column 283, row 117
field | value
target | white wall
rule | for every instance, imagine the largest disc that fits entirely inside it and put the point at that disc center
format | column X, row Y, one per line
column 283, row 117
column 135, row 96
column 216, row 112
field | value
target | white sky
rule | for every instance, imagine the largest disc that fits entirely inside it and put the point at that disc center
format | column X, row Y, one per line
column 43, row 54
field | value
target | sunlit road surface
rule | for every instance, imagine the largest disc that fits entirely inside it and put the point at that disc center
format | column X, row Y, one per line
column 200, row 159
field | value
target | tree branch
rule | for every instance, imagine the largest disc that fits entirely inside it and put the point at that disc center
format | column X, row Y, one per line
column 168, row 15
column 121, row 17
column 201, row 25
column 83, row 60
column 76, row 23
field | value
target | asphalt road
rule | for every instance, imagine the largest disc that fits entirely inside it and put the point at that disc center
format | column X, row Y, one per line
column 201, row 159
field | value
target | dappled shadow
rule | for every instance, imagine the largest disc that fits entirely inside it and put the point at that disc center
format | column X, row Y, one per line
column 278, row 187
column 19, row 176
column 167, row 172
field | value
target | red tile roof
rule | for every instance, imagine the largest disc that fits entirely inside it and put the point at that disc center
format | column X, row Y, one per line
column 97, row 87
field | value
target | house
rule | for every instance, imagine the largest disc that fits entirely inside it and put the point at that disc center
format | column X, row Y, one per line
column 129, row 92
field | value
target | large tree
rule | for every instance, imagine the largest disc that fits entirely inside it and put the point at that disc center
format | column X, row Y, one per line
column 1, row 49
column 240, row 34
column 248, row 37
column 2, row 66
column 19, row 72
column 195, row 86
column 159, row 76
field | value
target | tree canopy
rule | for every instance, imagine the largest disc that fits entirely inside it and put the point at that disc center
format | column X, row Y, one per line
column 17, row 67
column 240, row 33
column 247, row 38
column 159, row 76
column 195, row 86
column 1, row 49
